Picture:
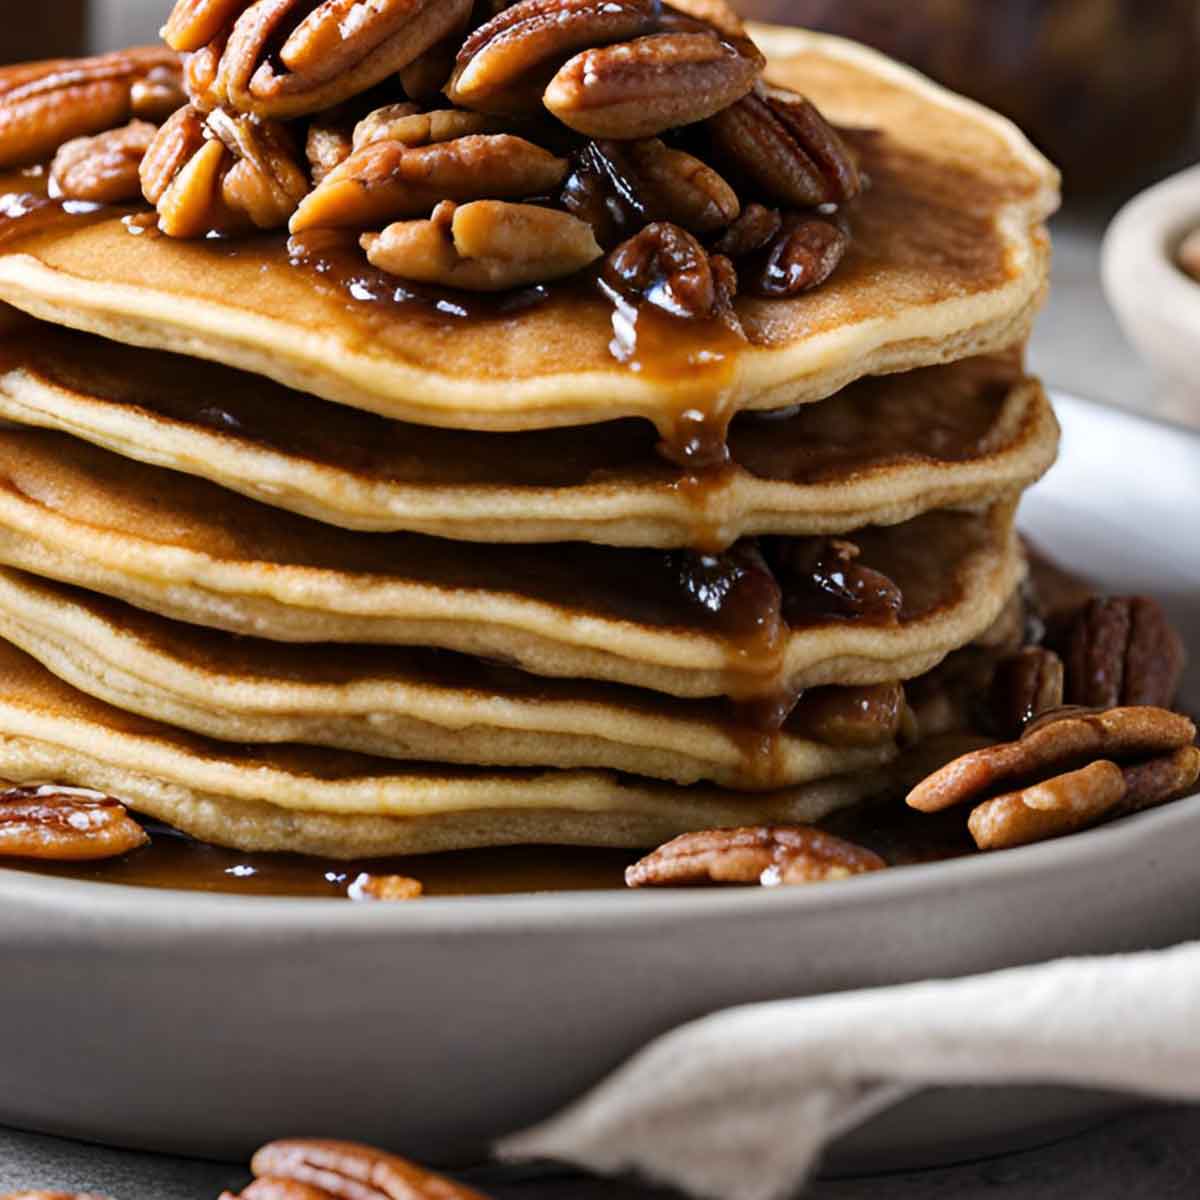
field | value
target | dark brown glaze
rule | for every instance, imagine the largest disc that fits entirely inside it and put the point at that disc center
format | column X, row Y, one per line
column 172, row 861
column 939, row 414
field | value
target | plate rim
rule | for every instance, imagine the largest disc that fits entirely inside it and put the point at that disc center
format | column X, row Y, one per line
column 197, row 913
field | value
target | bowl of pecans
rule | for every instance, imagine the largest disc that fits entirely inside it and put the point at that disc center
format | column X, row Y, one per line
column 1152, row 277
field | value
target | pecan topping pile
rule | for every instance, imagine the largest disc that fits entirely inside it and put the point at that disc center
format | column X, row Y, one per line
column 470, row 144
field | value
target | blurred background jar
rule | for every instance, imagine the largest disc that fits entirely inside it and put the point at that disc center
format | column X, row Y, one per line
column 1107, row 88
column 50, row 29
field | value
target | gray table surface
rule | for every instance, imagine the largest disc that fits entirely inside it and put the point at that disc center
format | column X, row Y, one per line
column 1154, row 1154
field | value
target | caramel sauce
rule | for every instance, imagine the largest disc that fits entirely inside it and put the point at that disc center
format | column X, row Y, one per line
column 172, row 861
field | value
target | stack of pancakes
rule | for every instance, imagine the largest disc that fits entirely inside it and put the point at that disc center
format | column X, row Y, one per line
column 292, row 564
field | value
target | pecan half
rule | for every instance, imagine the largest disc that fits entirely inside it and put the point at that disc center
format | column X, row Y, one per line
column 781, row 144
column 403, row 123
column 387, row 180
column 754, row 230
column 102, row 169
column 1078, row 799
column 385, row 887
column 505, row 65
column 43, row 105
column 1121, row 651
column 287, row 58
column 769, row 855
column 1055, row 744
column 194, row 23
column 223, row 173
column 65, row 825
column 801, row 256
column 1024, row 686
column 486, row 246
column 619, row 187
column 850, row 716
column 641, row 88
column 667, row 267
column 348, row 1171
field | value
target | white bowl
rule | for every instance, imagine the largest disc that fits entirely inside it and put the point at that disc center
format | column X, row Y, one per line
column 1157, row 304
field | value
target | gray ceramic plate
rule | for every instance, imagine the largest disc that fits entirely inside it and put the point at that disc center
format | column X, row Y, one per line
column 207, row 1024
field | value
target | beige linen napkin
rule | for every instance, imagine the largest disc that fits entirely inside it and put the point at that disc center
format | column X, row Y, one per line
column 738, row 1106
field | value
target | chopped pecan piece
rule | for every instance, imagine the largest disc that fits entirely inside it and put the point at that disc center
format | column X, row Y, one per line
column 803, row 255
column 505, row 65
column 486, row 246
column 667, row 267
column 1056, row 743
column 222, row 173
column 348, row 1171
column 641, row 88
column 1024, row 686
column 329, row 143
column 782, row 145
column 754, row 230
column 1078, row 799
column 43, row 105
column 103, row 169
column 387, row 180
column 385, row 887
column 823, row 580
column 1121, row 651
column 769, row 855
column 65, row 825
column 287, row 58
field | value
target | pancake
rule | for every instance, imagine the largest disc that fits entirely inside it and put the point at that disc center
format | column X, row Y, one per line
column 949, row 259
column 882, row 451
column 412, row 703
column 341, row 805
column 671, row 621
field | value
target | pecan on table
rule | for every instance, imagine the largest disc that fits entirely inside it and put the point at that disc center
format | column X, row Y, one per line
column 1121, row 651
column 44, row 104
column 103, row 169
column 288, row 58
column 65, row 825
column 44, row 1195
column 385, row 887
column 347, row 1171
column 641, row 88
column 768, row 855
column 223, row 173
column 781, row 144
column 387, row 180
column 505, row 65
column 1070, row 769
